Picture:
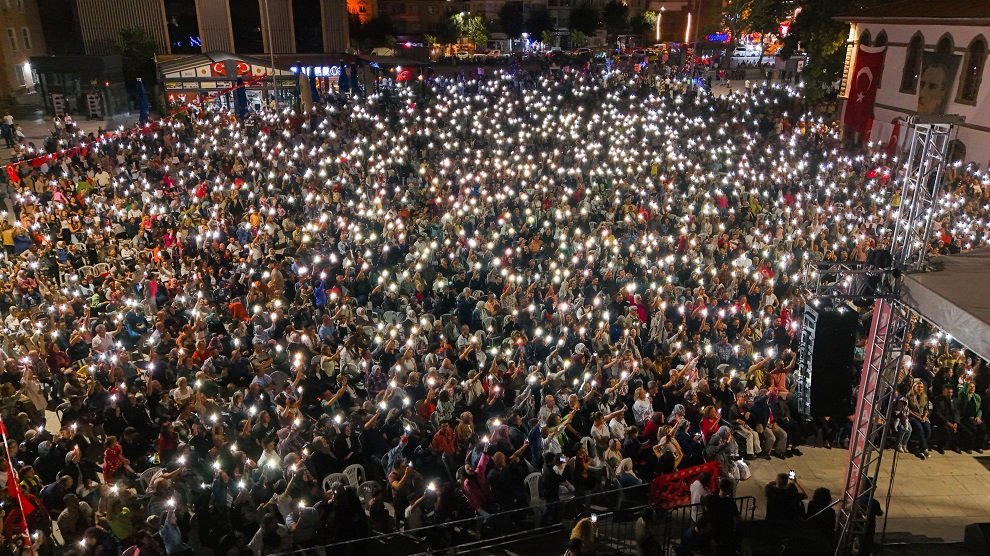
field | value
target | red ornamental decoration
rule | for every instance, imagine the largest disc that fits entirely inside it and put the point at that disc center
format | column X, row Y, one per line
column 674, row 489
column 151, row 127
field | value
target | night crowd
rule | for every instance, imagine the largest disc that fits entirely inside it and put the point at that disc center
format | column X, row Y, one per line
column 272, row 335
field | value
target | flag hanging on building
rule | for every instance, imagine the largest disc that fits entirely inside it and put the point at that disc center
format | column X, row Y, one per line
column 863, row 87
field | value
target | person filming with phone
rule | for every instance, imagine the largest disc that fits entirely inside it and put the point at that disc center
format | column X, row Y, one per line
column 785, row 498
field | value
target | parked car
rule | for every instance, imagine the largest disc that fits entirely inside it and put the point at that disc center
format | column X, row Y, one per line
column 462, row 56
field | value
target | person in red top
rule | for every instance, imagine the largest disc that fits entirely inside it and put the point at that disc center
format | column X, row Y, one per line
column 709, row 423
column 443, row 440
column 114, row 460
column 238, row 311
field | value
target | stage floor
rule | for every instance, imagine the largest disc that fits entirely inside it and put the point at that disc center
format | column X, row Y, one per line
column 937, row 497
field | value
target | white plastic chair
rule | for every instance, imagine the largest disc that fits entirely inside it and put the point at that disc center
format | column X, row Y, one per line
column 332, row 478
column 536, row 502
column 355, row 474
column 145, row 479
column 391, row 317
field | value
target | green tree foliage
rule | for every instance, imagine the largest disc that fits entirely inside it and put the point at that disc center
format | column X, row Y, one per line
column 824, row 40
column 585, row 18
column 137, row 50
column 539, row 22
column 449, row 29
column 644, row 22
column 512, row 20
column 375, row 32
column 578, row 39
column 379, row 29
column 615, row 17
column 548, row 38
column 476, row 30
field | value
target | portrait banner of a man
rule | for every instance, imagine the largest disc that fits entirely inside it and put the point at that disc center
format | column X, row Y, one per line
column 938, row 75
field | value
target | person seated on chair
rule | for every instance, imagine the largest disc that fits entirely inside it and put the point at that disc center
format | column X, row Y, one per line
column 945, row 418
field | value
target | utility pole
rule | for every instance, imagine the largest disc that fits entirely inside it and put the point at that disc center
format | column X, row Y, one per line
column 271, row 54
column 697, row 21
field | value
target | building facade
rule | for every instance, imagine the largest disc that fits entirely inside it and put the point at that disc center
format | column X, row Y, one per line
column 20, row 24
column 935, row 62
column 196, row 26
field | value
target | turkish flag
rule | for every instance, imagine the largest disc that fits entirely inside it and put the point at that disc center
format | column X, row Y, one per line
column 404, row 75
column 12, row 173
column 863, row 87
column 894, row 141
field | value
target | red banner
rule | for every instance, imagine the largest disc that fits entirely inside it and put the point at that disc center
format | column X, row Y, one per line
column 863, row 87
column 404, row 74
column 674, row 489
column 883, row 135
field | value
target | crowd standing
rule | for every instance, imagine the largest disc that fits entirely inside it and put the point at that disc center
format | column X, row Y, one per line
column 590, row 278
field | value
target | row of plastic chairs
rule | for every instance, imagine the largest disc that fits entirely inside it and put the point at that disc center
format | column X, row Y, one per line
column 353, row 475
column 97, row 269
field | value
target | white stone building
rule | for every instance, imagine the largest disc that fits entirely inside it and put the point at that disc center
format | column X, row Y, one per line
column 916, row 32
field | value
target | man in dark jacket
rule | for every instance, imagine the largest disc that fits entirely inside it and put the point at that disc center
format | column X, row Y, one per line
column 945, row 418
column 553, row 479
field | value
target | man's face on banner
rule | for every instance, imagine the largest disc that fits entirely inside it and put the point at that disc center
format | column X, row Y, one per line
column 933, row 88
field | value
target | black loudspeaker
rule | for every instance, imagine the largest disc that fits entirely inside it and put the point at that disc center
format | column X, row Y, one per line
column 832, row 363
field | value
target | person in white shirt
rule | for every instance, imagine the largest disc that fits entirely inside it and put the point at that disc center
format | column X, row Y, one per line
column 699, row 489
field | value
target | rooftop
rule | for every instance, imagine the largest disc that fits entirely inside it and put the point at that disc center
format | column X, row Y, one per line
column 957, row 11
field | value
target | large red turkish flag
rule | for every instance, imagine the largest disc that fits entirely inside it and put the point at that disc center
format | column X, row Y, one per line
column 863, row 87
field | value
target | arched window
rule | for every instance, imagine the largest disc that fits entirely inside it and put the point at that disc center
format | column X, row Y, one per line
column 912, row 64
column 972, row 73
column 866, row 39
column 957, row 151
column 881, row 39
column 944, row 45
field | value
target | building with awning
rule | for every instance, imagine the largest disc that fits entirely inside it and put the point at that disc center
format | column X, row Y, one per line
column 185, row 78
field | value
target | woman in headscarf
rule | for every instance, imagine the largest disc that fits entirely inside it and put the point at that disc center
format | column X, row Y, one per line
column 723, row 447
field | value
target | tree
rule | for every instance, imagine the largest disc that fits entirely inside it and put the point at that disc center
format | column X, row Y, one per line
column 585, row 19
column 615, row 17
column 512, row 20
column 824, row 40
column 578, row 39
column 539, row 22
column 643, row 23
column 137, row 51
column 548, row 38
column 430, row 40
column 449, row 29
column 476, row 30
column 379, row 29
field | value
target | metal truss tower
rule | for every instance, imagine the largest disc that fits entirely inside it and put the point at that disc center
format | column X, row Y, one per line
column 831, row 283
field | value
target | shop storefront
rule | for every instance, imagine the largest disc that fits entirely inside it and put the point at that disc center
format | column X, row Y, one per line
column 212, row 75
column 326, row 79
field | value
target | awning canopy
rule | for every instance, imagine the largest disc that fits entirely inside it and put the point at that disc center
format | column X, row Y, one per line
column 390, row 61
column 955, row 297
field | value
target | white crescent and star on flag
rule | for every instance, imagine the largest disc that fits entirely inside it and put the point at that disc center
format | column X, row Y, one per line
column 869, row 74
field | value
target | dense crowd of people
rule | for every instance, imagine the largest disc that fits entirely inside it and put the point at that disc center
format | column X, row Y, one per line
column 587, row 279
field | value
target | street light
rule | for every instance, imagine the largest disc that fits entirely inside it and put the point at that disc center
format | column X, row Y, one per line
column 659, row 19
